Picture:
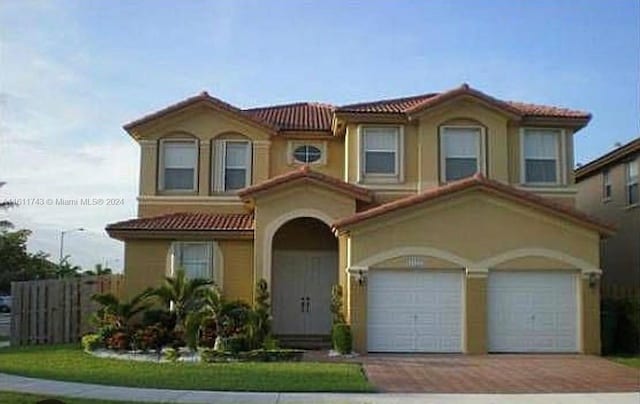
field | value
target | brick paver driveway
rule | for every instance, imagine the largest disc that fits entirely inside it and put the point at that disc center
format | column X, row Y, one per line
column 498, row 374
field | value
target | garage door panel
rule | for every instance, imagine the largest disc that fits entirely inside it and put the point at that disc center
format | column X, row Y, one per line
column 532, row 312
column 414, row 310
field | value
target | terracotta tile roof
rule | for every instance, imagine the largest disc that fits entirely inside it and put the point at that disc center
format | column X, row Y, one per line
column 537, row 110
column 304, row 173
column 187, row 222
column 308, row 116
column 394, row 105
column 419, row 102
column 613, row 157
column 202, row 97
column 303, row 116
column 485, row 184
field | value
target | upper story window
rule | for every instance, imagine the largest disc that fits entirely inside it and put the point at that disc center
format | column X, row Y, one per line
column 196, row 258
column 461, row 152
column 178, row 165
column 606, row 185
column 232, row 165
column 307, row 154
column 381, row 152
column 633, row 194
column 541, row 156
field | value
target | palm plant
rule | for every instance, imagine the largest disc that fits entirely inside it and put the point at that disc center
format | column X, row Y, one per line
column 118, row 312
column 182, row 295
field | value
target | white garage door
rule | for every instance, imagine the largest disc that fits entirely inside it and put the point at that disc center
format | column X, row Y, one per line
column 414, row 311
column 532, row 312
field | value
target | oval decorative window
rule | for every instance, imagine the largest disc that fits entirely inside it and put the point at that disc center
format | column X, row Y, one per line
column 307, row 154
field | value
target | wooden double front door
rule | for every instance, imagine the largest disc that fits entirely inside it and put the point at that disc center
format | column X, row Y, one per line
column 301, row 292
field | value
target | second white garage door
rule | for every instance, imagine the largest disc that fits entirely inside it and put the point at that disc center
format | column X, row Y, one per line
column 532, row 312
column 414, row 311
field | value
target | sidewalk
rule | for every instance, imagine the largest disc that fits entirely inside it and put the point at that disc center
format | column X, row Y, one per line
column 80, row 390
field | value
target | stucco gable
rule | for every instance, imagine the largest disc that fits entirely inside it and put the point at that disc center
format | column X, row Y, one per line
column 477, row 184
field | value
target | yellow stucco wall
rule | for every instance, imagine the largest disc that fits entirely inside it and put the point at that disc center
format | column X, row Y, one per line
column 147, row 263
column 474, row 228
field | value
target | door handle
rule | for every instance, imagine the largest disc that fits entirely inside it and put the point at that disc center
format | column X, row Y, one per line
column 308, row 303
column 302, row 304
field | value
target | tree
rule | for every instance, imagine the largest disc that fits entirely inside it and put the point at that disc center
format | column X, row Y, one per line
column 119, row 313
column 4, row 205
column 67, row 270
column 98, row 270
column 17, row 264
column 182, row 295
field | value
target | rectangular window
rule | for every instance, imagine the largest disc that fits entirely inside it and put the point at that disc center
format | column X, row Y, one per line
column 606, row 185
column 236, row 165
column 380, row 147
column 633, row 197
column 179, row 162
column 541, row 156
column 194, row 258
column 462, row 152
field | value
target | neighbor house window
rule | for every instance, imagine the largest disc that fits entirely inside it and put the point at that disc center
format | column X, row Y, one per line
column 195, row 258
column 233, row 165
column 178, row 162
column 381, row 151
column 461, row 152
column 541, row 150
column 633, row 197
column 606, row 185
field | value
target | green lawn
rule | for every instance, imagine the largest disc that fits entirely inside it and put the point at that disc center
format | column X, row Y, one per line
column 70, row 363
column 633, row 361
column 21, row 398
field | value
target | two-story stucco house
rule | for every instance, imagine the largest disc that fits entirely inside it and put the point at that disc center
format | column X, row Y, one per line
column 608, row 188
column 448, row 218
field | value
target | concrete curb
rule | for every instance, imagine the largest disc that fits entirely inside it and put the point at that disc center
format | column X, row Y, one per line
column 21, row 384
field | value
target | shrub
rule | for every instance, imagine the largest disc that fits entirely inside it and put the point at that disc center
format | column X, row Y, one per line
column 270, row 343
column 260, row 321
column 208, row 333
column 235, row 344
column 165, row 318
column 91, row 342
column 341, row 338
column 171, row 354
column 620, row 326
column 119, row 341
column 152, row 337
column 337, row 311
column 258, row 355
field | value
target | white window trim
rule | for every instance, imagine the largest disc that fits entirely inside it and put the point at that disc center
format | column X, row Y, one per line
column 398, row 174
column 216, row 260
column 561, row 172
column 219, row 165
column 482, row 158
column 161, row 166
column 292, row 145
column 629, row 182
column 606, row 181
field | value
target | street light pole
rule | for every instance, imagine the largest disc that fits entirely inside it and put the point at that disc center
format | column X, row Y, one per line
column 62, row 233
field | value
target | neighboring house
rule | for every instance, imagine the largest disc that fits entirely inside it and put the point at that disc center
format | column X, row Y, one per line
column 447, row 217
column 608, row 189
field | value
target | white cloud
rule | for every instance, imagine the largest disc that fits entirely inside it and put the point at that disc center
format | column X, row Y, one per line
column 60, row 139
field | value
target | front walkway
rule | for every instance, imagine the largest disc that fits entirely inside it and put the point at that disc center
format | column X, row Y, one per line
column 129, row 394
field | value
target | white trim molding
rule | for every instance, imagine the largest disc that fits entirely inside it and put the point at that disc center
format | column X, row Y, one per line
column 415, row 251
column 577, row 263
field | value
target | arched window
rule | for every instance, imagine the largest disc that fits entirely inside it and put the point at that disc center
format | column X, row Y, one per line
column 178, row 164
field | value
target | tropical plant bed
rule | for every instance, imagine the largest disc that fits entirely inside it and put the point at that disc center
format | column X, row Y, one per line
column 202, row 355
column 71, row 363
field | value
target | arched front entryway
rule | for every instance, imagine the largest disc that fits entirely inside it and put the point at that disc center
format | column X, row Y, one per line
column 303, row 270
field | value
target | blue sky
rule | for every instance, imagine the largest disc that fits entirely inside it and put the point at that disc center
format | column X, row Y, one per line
column 71, row 73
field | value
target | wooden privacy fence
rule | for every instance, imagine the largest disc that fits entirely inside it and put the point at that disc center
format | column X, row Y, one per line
column 57, row 311
column 614, row 291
